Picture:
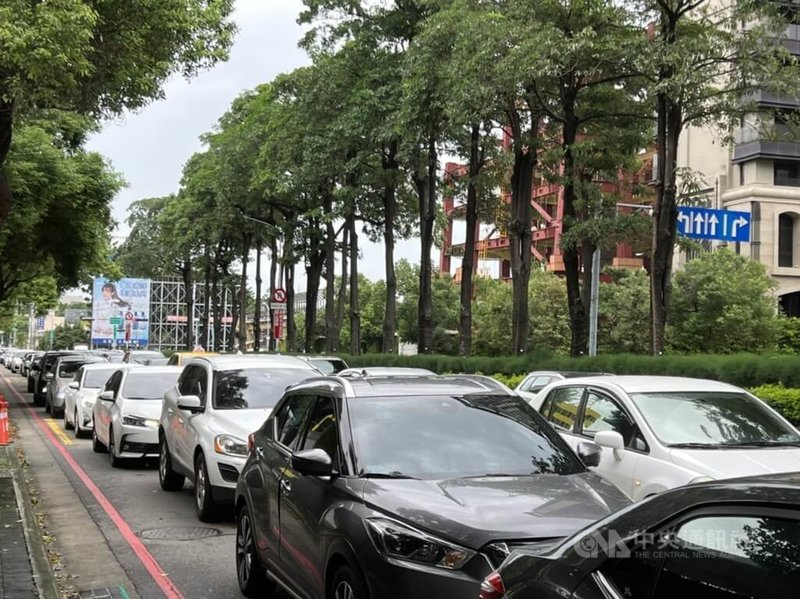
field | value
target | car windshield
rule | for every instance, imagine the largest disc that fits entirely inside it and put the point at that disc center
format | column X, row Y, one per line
column 67, row 370
column 714, row 419
column 249, row 388
column 95, row 379
column 455, row 437
column 327, row 366
column 148, row 385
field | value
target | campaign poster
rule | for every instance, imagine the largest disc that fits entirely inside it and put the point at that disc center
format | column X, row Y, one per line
column 120, row 312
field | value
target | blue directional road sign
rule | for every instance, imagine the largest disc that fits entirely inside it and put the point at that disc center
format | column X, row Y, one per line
column 705, row 223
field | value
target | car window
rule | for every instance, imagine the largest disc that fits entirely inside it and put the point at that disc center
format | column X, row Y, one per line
column 173, row 360
column 322, row 431
column 538, row 383
column 193, row 381
column 564, row 410
column 67, row 370
column 113, row 382
column 289, row 419
column 602, row 413
column 79, row 375
column 439, row 437
column 148, row 385
column 95, row 379
column 249, row 388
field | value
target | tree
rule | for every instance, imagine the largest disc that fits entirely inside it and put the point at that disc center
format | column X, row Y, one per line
column 624, row 313
column 100, row 58
column 714, row 312
column 64, row 337
column 702, row 60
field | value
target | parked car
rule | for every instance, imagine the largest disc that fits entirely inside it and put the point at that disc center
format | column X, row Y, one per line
column 404, row 487
column 663, row 432
column 179, row 358
column 15, row 361
column 28, row 361
column 385, row 371
column 81, row 395
column 127, row 409
column 326, row 364
column 33, row 372
column 719, row 540
column 207, row 416
column 531, row 386
column 46, row 366
column 62, row 375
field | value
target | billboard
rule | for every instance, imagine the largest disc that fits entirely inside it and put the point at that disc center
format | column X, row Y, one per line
column 120, row 312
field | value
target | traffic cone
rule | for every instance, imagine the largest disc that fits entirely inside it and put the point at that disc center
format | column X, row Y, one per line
column 3, row 421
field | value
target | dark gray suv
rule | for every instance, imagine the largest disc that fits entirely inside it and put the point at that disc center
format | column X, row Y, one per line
column 388, row 488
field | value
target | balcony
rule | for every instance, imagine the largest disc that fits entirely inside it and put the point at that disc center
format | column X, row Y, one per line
column 770, row 99
column 773, row 143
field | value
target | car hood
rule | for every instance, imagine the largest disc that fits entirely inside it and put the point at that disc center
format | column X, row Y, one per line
column 146, row 408
column 730, row 463
column 239, row 423
column 476, row 511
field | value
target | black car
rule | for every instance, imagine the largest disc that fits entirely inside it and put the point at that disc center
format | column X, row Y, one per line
column 718, row 540
column 48, row 362
column 404, row 487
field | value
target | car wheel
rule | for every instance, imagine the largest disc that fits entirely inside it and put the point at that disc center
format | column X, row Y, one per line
column 251, row 576
column 204, row 504
column 47, row 407
column 167, row 477
column 30, row 386
column 347, row 584
column 79, row 432
column 97, row 446
column 116, row 461
column 68, row 426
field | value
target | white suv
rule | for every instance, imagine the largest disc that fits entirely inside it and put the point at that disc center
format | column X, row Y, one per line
column 207, row 418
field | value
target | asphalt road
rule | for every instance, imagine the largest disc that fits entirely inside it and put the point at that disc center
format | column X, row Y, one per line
column 162, row 547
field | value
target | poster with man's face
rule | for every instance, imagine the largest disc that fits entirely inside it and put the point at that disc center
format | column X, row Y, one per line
column 120, row 312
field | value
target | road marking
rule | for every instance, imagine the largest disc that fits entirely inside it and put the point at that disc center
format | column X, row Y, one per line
column 62, row 436
column 155, row 570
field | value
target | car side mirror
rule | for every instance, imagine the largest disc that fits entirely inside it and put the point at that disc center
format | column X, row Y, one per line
column 106, row 395
column 48, row 376
column 74, row 385
column 589, row 453
column 312, row 462
column 190, row 403
column 612, row 440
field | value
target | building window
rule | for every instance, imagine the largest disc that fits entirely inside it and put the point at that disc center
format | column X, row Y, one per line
column 786, row 240
column 787, row 173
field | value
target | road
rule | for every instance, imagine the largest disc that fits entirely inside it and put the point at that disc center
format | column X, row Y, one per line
column 116, row 528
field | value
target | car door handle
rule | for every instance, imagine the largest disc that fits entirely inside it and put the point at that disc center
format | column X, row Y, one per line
column 286, row 487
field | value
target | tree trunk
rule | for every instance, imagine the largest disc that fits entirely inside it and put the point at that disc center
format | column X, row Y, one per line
column 242, row 336
column 467, row 265
column 390, row 167
column 316, row 260
column 355, row 309
column 257, row 316
column 520, row 229
column 188, row 285
column 274, row 284
column 665, row 207
column 342, row 300
column 232, row 343
column 288, row 261
column 426, row 190
column 6, row 122
column 330, row 276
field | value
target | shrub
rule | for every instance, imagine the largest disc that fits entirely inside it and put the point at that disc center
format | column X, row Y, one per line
column 783, row 400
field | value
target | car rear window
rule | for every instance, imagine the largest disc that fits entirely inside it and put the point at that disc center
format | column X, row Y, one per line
column 254, row 387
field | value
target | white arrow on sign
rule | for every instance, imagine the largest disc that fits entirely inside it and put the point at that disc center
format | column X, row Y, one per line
column 739, row 222
column 687, row 227
column 699, row 220
column 712, row 221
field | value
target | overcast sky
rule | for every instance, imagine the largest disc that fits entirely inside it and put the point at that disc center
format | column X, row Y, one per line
column 151, row 146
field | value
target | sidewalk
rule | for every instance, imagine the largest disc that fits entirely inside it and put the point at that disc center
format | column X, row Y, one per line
column 24, row 568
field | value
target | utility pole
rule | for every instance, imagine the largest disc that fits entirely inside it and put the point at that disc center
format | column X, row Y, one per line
column 594, row 298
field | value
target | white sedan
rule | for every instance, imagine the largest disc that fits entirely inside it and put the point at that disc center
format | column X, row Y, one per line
column 663, row 432
column 127, row 410
column 81, row 395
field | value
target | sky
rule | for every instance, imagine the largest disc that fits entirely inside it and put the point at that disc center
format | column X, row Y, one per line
column 150, row 147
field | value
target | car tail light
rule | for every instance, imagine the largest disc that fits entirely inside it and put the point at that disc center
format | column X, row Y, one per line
column 251, row 441
column 492, row 587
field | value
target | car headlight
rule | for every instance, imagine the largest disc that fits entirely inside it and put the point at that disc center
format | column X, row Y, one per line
column 399, row 541
column 230, row 445
column 139, row 421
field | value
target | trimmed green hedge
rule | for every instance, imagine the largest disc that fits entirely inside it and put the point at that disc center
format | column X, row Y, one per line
column 742, row 370
column 783, row 400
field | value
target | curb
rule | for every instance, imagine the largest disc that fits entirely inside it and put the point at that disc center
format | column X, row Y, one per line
column 45, row 580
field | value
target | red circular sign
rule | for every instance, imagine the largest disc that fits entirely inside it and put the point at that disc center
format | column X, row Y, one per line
column 128, row 315
column 279, row 295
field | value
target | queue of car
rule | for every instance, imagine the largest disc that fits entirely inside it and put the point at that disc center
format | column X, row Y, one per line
column 382, row 483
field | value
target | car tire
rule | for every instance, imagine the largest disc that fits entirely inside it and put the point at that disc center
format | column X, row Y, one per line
column 30, row 386
column 116, row 461
column 347, row 584
column 97, row 445
column 76, row 424
column 167, row 477
column 250, row 574
column 207, row 510
column 48, row 409
column 68, row 426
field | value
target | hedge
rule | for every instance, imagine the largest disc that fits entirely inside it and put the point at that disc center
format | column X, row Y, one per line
column 783, row 400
